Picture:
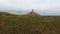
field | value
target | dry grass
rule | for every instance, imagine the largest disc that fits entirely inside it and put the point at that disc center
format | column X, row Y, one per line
column 13, row 24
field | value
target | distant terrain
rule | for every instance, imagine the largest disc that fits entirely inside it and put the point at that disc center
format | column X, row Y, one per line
column 26, row 24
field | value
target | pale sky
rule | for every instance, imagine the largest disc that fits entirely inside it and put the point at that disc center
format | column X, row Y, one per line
column 47, row 6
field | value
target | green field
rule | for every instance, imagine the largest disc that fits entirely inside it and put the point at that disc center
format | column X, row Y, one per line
column 17, row 24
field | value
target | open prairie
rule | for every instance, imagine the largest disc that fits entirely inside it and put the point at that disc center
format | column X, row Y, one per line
column 18, row 24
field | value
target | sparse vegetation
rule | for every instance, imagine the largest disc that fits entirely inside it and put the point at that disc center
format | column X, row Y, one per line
column 14, row 24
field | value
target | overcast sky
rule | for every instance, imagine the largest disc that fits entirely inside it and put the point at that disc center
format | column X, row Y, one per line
column 47, row 6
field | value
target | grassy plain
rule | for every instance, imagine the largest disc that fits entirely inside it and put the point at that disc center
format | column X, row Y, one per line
column 17, row 24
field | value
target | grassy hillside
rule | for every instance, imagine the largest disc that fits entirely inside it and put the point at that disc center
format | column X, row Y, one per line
column 14, row 24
